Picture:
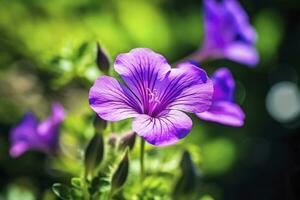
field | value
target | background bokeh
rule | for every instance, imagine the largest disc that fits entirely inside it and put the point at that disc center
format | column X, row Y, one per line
column 47, row 53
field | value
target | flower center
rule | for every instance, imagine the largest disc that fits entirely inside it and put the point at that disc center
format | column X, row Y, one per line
column 153, row 102
column 153, row 97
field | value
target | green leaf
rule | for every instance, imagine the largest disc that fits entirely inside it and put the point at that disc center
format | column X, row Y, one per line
column 76, row 194
column 76, row 183
column 62, row 191
column 82, row 49
column 99, row 184
column 120, row 176
column 104, row 185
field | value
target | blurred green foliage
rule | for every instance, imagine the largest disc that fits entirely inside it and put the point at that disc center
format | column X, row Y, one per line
column 48, row 53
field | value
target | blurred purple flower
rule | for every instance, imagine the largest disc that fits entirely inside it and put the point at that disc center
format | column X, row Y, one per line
column 223, row 109
column 29, row 134
column 228, row 33
column 155, row 95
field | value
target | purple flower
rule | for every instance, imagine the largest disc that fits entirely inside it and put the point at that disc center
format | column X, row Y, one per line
column 228, row 33
column 155, row 95
column 223, row 109
column 29, row 134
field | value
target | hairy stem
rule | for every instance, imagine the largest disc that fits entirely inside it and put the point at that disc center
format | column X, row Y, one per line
column 142, row 152
column 86, row 190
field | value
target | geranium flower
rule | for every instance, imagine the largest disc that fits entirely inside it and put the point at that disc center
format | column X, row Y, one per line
column 29, row 134
column 155, row 95
column 223, row 109
column 228, row 33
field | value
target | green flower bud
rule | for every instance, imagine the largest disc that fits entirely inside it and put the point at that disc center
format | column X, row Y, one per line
column 94, row 153
column 120, row 175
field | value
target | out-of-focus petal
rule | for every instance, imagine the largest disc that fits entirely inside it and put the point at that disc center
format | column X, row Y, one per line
column 18, row 149
column 236, row 10
column 223, row 112
column 228, row 33
column 223, row 85
column 24, row 136
column 163, row 130
column 242, row 53
column 56, row 117
column 112, row 101
column 48, row 130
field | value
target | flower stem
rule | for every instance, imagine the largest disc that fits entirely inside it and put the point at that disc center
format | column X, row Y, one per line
column 86, row 190
column 110, row 194
column 142, row 159
column 198, row 56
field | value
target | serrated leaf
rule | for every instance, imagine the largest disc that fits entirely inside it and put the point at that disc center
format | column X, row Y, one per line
column 62, row 191
column 76, row 183
column 104, row 184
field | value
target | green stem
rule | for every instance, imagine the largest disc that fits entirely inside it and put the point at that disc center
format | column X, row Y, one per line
column 110, row 194
column 142, row 159
column 86, row 190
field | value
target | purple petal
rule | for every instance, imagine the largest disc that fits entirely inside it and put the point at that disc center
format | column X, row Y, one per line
column 18, row 149
column 223, row 85
column 112, row 101
column 220, row 27
column 187, row 88
column 242, row 20
column 242, row 53
column 228, row 33
column 48, row 130
column 223, row 112
column 141, row 69
column 163, row 130
column 24, row 136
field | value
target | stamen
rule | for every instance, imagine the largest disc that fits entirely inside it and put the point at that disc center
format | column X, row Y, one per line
column 153, row 97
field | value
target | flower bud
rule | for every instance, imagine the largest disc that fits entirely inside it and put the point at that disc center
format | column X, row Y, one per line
column 102, row 60
column 94, row 153
column 112, row 140
column 188, row 181
column 120, row 175
column 128, row 140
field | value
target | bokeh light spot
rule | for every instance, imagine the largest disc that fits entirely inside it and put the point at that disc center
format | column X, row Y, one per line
column 218, row 156
column 283, row 101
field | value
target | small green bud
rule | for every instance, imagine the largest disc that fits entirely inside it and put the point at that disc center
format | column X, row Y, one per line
column 120, row 175
column 94, row 153
column 188, row 181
